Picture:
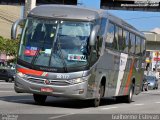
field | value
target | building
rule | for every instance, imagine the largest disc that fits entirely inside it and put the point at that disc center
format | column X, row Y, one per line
column 8, row 14
column 153, row 50
column 11, row 10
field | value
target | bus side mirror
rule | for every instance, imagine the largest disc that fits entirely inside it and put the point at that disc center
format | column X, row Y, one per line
column 19, row 22
column 93, row 35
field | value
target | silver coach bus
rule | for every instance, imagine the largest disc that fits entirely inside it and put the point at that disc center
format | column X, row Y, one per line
column 78, row 53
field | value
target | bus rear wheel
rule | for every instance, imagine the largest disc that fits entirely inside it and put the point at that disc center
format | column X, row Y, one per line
column 97, row 100
column 39, row 99
column 128, row 98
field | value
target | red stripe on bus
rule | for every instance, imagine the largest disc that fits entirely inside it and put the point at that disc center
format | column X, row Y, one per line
column 30, row 71
column 129, row 78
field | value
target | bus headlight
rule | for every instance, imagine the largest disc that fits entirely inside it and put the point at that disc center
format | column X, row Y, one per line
column 21, row 75
column 78, row 80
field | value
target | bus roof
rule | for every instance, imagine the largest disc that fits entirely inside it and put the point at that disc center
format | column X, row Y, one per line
column 78, row 13
column 65, row 12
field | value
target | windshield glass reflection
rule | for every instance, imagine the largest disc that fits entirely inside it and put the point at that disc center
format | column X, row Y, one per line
column 55, row 43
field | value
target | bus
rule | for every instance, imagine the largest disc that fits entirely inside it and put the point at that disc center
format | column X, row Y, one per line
column 78, row 53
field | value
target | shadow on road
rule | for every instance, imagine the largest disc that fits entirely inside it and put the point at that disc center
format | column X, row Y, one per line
column 58, row 102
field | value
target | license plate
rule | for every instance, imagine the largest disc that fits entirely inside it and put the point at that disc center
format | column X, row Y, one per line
column 46, row 90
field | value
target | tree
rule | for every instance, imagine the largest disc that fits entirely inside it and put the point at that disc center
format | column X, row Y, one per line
column 8, row 46
column 2, row 44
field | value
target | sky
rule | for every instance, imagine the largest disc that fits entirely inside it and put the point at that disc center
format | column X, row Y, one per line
column 142, row 20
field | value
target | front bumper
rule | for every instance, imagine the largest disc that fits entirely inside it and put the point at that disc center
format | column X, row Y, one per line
column 77, row 91
column 151, row 86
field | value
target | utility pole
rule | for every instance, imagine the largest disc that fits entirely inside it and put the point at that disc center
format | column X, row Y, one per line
column 29, row 5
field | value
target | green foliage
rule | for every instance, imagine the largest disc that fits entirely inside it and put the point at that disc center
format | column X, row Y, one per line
column 8, row 46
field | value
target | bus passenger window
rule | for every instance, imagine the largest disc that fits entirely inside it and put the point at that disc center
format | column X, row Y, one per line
column 101, row 32
column 126, row 41
column 120, row 40
column 110, row 41
column 142, row 46
column 138, row 45
column 132, row 39
column 116, row 37
column 103, row 26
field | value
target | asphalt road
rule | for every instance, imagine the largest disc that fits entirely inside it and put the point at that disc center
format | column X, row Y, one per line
column 22, row 107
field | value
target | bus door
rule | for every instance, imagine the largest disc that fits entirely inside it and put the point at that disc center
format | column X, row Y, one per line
column 138, row 66
column 113, row 59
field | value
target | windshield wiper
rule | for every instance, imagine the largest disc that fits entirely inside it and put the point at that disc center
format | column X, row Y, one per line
column 56, row 39
column 61, row 55
column 35, row 57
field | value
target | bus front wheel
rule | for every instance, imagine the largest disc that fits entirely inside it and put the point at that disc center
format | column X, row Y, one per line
column 100, row 95
column 39, row 99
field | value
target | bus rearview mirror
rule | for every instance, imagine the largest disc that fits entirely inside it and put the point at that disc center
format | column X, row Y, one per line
column 93, row 35
column 19, row 22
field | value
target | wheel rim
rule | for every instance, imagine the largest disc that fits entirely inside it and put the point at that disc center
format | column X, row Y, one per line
column 10, row 79
column 131, row 94
column 99, row 95
column 97, row 100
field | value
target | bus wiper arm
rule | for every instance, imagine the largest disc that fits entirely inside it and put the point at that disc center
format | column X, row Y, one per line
column 61, row 55
column 35, row 57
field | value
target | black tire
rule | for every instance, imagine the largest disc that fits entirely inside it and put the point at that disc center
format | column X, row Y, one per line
column 128, row 98
column 96, row 101
column 6, row 80
column 39, row 99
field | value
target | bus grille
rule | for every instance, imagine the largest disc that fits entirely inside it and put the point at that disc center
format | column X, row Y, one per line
column 52, row 82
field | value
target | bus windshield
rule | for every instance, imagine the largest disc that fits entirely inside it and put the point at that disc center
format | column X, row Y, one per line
column 55, row 43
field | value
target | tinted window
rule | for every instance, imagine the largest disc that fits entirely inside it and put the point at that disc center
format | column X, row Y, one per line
column 126, row 41
column 103, row 25
column 116, row 38
column 138, row 45
column 132, row 39
column 39, row 47
column 110, row 36
column 143, row 46
column 100, row 35
column 120, row 40
column 3, row 71
column 150, row 78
